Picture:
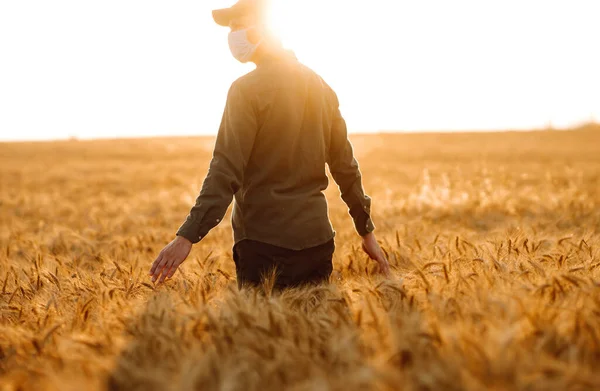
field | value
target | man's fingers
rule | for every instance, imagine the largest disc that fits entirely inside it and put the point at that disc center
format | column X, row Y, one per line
column 384, row 265
column 159, row 268
column 155, row 263
column 157, row 272
column 173, row 269
column 169, row 273
column 166, row 270
column 387, row 271
column 384, row 268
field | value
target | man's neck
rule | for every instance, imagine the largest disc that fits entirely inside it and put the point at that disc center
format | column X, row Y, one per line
column 267, row 53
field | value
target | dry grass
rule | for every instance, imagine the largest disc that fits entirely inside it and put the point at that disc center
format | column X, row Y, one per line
column 494, row 241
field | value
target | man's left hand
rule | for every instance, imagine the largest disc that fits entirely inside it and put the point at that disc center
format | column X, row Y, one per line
column 170, row 258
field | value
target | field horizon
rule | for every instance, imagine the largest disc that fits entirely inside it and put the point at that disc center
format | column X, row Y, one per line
column 584, row 126
column 493, row 239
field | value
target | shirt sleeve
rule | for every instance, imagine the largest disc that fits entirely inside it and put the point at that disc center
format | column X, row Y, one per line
column 346, row 173
column 233, row 146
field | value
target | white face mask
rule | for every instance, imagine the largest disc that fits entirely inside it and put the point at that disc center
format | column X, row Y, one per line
column 240, row 47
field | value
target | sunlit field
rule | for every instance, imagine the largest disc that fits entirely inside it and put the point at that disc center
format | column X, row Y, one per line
column 494, row 242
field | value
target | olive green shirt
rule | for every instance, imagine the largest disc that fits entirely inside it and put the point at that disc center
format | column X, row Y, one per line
column 280, row 127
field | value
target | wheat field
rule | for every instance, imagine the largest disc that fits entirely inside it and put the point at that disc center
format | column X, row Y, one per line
column 493, row 240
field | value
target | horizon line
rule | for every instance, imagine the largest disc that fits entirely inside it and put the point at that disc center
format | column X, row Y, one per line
column 582, row 126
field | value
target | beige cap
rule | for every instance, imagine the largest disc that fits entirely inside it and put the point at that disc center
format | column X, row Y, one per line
column 242, row 8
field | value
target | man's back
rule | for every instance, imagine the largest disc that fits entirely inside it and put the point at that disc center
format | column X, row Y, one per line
column 281, row 125
column 281, row 200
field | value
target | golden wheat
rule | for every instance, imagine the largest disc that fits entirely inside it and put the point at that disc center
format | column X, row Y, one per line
column 493, row 238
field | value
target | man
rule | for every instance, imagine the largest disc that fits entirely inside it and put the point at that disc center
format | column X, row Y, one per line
column 280, row 127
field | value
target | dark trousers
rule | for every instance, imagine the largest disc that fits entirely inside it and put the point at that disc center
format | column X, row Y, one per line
column 255, row 261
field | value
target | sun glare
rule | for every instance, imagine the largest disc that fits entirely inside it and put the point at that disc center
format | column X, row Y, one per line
column 464, row 65
column 297, row 24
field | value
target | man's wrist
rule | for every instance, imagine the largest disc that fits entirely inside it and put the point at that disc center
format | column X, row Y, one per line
column 365, row 236
column 181, row 238
column 364, row 226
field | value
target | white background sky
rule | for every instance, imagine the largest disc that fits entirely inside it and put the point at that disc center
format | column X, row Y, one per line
column 121, row 68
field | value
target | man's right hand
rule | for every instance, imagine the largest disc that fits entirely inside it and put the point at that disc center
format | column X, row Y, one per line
column 374, row 251
column 170, row 258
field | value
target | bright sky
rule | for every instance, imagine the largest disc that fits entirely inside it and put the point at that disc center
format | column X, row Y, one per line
column 121, row 68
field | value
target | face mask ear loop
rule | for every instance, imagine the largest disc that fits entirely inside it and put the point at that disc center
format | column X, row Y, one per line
column 256, row 45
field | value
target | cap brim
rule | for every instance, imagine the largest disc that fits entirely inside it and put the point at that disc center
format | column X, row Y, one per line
column 223, row 16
